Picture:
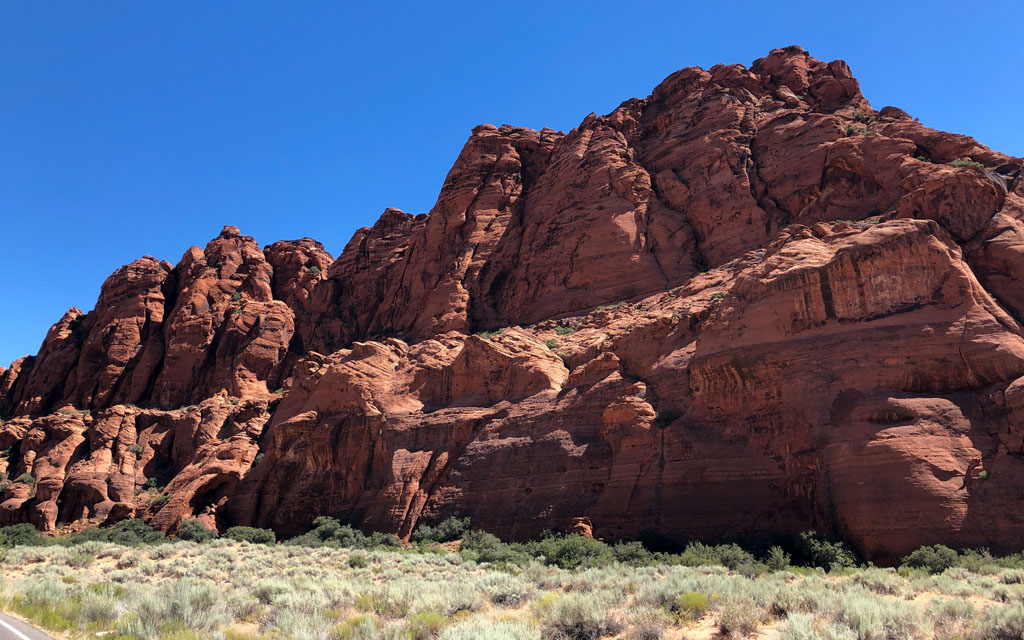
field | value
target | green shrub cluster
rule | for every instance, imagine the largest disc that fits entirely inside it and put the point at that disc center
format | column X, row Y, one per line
column 329, row 532
column 132, row 532
column 194, row 531
column 251, row 535
column 966, row 163
column 445, row 531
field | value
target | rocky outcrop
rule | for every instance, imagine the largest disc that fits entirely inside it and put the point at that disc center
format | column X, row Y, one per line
column 745, row 306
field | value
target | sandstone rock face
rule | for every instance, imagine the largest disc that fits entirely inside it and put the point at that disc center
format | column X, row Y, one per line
column 745, row 306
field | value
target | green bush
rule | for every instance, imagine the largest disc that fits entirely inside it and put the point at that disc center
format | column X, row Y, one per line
column 1002, row 623
column 357, row 561
column 777, row 559
column 490, row 333
column 481, row 546
column 933, row 559
column 573, row 551
column 194, row 531
column 252, row 535
column 236, row 296
column 315, row 270
column 718, row 295
column 330, row 532
column 819, row 552
column 580, row 616
column 446, row 531
column 564, row 331
column 551, row 343
column 691, row 605
column 425, row 625
column 633, row 554
column 19, row 534
column 966, row 163
column 134, row 532
column 26, row 478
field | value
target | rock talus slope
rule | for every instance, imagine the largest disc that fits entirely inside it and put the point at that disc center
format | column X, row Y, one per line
column 747, row 305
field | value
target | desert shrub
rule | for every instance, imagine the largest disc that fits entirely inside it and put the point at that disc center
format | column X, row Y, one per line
column 236, row 296
column 490, row 333
column 740, row 618
column 951, row 618
column 445, row 531
column 134, row 532
column 425, row 625
column 819, row 552
column 357, row 561
column 718, row 295
column 504, row 590
column 160, row 501
column 646, row 623
column 358, row 627
column 966, row 163
column 482, row 628
column 801, row 626
column 578, row 616
column 633, row 553
column 483, row 547
column 872, row 618
column 933, row 559
column 330, row 532
column 19, row 534
column 691, row 605
column 1002, row 623
column 194, row 531
column 315, row 270
column 252, row 535
column 777, row 559
column 573, row 551
column 731, row 556
column 884, row 581
column 564, row 331
column 551, row 343
column 26, row 478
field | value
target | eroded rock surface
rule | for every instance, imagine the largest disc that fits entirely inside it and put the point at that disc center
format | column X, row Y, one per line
column 746, row 305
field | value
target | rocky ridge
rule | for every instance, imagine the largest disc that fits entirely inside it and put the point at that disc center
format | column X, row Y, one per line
column 747, row 305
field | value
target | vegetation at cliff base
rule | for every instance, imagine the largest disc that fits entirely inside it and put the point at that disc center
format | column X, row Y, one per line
column 455, row 583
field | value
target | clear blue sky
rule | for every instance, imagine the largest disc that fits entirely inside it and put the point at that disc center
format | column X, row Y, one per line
column 131, row 128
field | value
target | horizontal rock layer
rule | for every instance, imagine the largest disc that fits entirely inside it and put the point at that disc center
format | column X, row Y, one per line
column 747, row 305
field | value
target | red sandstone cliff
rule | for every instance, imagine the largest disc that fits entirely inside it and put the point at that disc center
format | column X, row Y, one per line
column 748, row 304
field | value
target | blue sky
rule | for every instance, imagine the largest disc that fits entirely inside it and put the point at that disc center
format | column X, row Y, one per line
column 131, row 128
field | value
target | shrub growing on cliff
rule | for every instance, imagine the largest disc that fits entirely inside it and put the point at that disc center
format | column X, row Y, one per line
column 966, row 163
column 251, row 535
column 26, row 478
column 445, row 531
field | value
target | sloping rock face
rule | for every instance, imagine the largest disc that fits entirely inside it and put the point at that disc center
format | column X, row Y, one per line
column 745, row 306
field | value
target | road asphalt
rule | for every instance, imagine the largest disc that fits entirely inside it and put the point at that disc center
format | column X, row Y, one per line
column 11, row 629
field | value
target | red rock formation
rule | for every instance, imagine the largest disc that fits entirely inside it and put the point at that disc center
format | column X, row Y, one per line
column 760, row 306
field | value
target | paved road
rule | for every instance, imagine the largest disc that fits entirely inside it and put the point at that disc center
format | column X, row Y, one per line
column 11, row 629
